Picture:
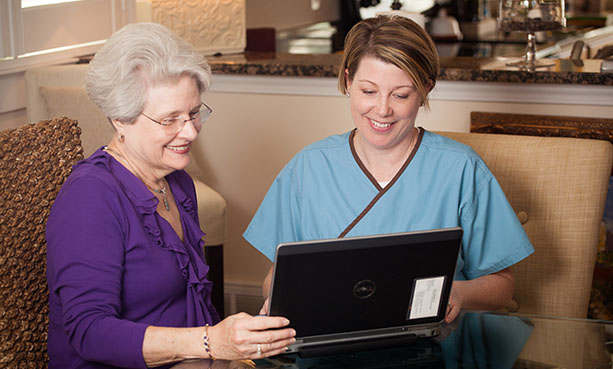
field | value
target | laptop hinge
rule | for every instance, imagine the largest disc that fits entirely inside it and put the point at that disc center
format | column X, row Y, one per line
column 358, row 345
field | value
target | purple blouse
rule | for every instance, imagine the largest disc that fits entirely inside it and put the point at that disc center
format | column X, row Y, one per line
column 114, row 266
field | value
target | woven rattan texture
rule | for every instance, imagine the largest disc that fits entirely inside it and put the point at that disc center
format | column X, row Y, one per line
column 34, row 162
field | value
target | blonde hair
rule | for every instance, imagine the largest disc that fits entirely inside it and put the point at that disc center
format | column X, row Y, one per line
column 396, row 40
column 135, row 58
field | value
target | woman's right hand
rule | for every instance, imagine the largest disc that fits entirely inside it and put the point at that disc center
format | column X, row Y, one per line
column 238, row 336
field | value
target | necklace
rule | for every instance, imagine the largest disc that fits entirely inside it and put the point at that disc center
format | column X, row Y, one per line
column 161, row 191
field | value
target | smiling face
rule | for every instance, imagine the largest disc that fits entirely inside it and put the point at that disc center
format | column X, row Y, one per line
column 384, row 104
column 147, row 145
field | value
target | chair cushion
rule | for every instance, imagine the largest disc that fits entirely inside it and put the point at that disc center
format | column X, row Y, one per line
column 73, row 102
column 34, row 162
column 557, row 186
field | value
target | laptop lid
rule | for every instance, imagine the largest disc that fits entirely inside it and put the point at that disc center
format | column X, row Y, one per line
column 359, row 287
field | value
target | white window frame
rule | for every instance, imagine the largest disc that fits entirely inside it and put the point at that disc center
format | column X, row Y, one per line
column 57, row 33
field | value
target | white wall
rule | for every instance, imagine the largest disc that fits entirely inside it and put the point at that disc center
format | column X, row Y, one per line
column 12, row 101
column 259, row 123
column 70, row 29
column 244, row 144
column 13, row 119
column 280, row 14
column 251, row 135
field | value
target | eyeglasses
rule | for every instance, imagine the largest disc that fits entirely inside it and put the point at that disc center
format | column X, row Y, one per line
column 174, row 125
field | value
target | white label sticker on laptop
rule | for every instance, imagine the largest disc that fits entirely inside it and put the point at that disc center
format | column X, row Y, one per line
column 426, row 297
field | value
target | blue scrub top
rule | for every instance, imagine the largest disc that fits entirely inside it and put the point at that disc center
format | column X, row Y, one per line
column 444, row 183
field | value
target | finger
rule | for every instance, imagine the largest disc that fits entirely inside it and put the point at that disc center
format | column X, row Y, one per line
column 268, row 340
column 274, row 336
column 260, row 323
column 452, row 314
column 274, row 352
column 264, row 309
column 275, row 348
column 278, row 344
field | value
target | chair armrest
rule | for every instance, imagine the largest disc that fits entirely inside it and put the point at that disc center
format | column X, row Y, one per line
column 212, row 213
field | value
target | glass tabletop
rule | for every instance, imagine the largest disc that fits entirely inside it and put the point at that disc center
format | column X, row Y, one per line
column 474, row 340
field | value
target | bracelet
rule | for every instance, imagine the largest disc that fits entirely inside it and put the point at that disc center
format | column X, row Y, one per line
column 205, row 339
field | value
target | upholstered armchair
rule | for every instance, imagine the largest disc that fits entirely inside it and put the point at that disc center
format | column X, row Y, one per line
column 35, row 160
column 557, row 186
column 56, row 91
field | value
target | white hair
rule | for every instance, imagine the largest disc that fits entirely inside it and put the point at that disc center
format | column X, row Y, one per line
column 134, row 58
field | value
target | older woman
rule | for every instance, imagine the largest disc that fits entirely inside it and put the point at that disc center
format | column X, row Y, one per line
column 126, row 272
column 388, row 176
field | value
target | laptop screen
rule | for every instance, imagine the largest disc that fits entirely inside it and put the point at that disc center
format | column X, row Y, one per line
column 365, row 283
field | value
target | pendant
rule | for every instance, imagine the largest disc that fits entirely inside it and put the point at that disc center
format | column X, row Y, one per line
column 163, row 193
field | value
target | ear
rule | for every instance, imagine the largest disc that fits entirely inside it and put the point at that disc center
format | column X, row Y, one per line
column 347, row 81
column 118, row 125
column 430, row 86
column 119, row 128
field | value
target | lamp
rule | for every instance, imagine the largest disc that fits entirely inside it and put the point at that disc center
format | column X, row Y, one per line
column 211, row 26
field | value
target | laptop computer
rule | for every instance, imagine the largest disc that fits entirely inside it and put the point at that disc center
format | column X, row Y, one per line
column 364, row 292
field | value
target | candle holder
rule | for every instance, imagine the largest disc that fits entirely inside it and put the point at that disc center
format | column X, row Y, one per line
column 531, row 16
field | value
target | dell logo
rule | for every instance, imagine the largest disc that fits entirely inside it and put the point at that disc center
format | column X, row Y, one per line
column 364, row 289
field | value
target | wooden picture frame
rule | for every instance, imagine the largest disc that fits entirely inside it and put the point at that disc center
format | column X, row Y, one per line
column 542, row 125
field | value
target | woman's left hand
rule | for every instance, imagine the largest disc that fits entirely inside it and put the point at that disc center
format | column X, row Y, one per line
column 488, row 292
column 242, row 336
column 454, row 306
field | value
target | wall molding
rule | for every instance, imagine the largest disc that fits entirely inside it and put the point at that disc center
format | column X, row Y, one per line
column 240, row 297
column 531, row 93
column 322, row 86
column 276, row 85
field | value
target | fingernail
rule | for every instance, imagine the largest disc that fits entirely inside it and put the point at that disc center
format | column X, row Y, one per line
column 285, row 321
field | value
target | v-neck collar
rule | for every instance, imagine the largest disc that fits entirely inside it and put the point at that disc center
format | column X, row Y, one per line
column 369, row 175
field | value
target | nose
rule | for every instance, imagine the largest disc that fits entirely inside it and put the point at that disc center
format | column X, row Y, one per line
column 383, row 107
column 189, row 130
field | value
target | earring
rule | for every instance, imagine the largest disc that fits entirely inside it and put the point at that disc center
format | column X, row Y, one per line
column 122, row 138
column 347, row 94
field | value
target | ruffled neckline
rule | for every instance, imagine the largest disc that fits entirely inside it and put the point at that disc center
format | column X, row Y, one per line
column 188, row 253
